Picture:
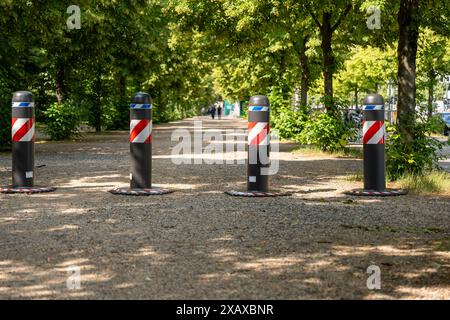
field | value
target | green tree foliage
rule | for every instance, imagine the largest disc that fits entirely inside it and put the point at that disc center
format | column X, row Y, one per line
column 122, row 47
column 366, row 69
column 252, row 46
column 433, row 61
column 328, row 17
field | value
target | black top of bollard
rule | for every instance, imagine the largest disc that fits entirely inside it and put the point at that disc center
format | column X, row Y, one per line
column 262, row 101
column 141, row 98
column 373, row 99
column 22, row 96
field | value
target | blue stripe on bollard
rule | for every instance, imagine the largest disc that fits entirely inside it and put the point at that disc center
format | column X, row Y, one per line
column 373, row 107
column 23, row 104
column 140, row 106
column 257, row 108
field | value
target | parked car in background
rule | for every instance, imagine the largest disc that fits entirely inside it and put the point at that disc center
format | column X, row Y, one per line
column 446, row 117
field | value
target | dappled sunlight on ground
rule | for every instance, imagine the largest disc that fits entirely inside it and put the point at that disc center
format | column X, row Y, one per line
column 198, row 242
column 385, row 250
column 21, row 280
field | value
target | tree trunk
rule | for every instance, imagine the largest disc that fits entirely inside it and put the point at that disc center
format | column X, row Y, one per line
column 282, row 64
column 305, row 73
column 60, row 82
column 123, row 105
column 122, row 88
column 328, row 58
column 431, row 79
column 356, row 96
column 408, row 21
column 280, row 81
column 40, row 99
column 326, row 31
column 97, row 111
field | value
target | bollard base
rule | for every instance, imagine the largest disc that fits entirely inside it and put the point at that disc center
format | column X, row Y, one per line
column 374, row 193
column 139, row 192
column 257, row 194
column 27, row 190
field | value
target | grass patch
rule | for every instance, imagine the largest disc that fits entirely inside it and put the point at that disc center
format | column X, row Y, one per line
column 356, row 177
column 344, row 153
column 435, row 182
column 352, row 153
column 442, row 245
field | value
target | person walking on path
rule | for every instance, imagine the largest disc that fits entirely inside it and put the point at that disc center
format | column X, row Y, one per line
column 219, row 112
column 212, row 111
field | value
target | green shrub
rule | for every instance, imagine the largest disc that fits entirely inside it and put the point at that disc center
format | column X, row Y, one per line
column 244, row 112
column 416, row 157
column 62, row 121
column 289, row 122
column 326, row 132
column 436, row 124
column 168, row 113
column 116, row 116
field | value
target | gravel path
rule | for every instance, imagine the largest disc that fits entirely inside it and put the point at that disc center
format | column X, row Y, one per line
column 199, row 243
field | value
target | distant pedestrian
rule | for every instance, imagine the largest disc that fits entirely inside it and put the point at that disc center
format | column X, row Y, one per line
column 212, row 111
column 219, row 112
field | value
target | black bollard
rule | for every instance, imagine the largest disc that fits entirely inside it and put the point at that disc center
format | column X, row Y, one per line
column 141, row 141
column 374, row 132
column 140, row 149
column 22, row 133
column 258, row 143
column 373, row 143
column 22, row 136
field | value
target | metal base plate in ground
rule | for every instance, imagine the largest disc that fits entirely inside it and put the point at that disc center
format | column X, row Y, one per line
column 139, row 192
column 373, row 193
column 27, row 190
column 256, row 194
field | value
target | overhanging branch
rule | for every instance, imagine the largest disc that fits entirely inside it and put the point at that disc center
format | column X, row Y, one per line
column 342, row 17
column 308, row 8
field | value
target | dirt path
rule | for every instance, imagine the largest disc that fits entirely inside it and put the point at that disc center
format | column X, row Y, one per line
column 200, row 243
